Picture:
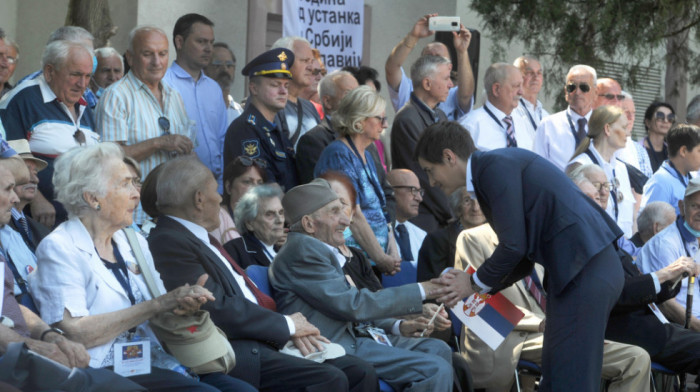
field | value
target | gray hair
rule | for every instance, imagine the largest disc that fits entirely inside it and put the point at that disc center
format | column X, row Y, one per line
column 2, row 33
column 654, row 212
column 57, row 52
column 144, row 28
column 327, row 87
column 356, row 106
column 288, row 42
column 585, row 68
column 496, row 73
column 247, row 208
column 627, row 95
column 178, row 181
column 693, row 113
column 456, row 200
column 581, row 173
column 425, row 67
column 10, row 42
column 522, row 61
column 108, row 51
column 70, row 33
column 81, row 170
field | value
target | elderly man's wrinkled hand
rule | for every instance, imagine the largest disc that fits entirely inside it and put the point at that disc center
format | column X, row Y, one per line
column 456, row 287
column 442, row 320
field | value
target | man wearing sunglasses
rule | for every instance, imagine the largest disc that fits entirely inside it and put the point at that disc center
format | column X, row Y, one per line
column 558, row 135
column 254, row 134
column 497, row 124
column 609, row 92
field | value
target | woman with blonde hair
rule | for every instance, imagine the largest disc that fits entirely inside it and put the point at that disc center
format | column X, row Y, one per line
column 607, row 133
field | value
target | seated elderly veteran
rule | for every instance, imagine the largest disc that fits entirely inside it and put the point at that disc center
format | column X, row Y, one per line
column 626, row 367
column 260, row 219
column 182, row 248
column 307, row 277
column 31, row 230
column 88, row 282
column 677, row 240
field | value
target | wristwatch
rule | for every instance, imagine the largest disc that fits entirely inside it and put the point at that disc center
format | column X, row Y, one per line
column 477, row 289
column 52, row 329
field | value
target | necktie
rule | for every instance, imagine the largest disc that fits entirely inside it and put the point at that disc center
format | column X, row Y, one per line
column 264, row 300
column 581, row 132
column 404, row 242
column 25, row 228
column 510, row 133
column 532, row 283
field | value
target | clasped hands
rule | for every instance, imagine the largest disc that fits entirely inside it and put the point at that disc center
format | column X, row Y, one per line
column 449, row 288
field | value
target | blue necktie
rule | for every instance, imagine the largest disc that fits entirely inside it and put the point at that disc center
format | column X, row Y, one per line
column 404, row 242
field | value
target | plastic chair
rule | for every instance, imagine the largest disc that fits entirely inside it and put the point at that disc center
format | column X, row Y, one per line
column 258, row 274
column 666, row 380
column 408, row 274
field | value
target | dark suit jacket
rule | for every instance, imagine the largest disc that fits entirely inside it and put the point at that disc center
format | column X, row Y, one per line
column 247, row 250
column 437, row 252
column 409, row 124
column 631, row 321
column 38, row 230
column 181, row 258
column 539, row 216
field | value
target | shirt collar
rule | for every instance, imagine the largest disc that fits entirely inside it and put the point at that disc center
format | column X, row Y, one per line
column 16, row 214
column 180, row 72
column 470, row 185
column 575, row 116
column 496, row 112
column 198, row 231
column 600, row 158
column 338, row 256
column 422, row 105
column 48, row 95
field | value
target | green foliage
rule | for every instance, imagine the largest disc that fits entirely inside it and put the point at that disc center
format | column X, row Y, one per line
column 566, row 32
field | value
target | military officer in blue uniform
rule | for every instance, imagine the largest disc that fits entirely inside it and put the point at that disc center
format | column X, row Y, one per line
column 254, row 134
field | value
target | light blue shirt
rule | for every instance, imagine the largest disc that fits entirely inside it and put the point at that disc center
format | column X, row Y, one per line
column 663, row 249
column 665, row 185
column 450, row 107
column 14, row 246
column 202, row 99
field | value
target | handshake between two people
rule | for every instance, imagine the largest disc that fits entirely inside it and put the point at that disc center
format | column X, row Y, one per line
column 451, row 287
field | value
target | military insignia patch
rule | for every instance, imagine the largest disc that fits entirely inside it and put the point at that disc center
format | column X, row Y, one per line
column 283, row 66
column 282, row 56
column 251, row 148
column 251, row 119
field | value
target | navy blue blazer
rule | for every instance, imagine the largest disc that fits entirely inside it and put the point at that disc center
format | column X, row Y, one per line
column 247, row 250
column 539, row 216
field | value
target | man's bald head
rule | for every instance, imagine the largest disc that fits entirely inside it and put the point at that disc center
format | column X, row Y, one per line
column 407, row 192
column 436, row 49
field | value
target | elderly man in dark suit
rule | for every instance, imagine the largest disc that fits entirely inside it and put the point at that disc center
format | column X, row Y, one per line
column 307, row 277
column 182, row 249
column 539, row 216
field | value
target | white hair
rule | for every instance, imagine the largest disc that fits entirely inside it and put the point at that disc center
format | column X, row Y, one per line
column 247, row 207
column 425, row 67
column 327, row 86
column 57, row 52
column 288, row 42
column 144, row 28
column 70, row 33
column 584, row 68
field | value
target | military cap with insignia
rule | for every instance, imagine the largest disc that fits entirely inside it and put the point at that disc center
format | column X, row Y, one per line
column 274, row 63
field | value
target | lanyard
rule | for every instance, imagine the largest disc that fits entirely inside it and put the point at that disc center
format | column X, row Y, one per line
column 372, row 179
column 493, row 116
column 263, row 247
column 613, row 190
column 680, row 230
column 573, row 129
column 532, row 120
column 120, row 272
column 680, row 177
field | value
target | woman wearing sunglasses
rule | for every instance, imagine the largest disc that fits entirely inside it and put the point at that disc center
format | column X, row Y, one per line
column 240, row 175
column 607, row 133
column 658, row 119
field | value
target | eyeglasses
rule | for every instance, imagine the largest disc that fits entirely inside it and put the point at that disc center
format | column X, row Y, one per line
column 610, row 187
column 164, row 124
column 611, row 97
column 79, row 137
column 381, row 119
column 602, row 185
column 247, row 162
column 584, row 87
column 661, row 117
column 137, row 182
column 319, row 71
column 414, row 191
column 219, row 63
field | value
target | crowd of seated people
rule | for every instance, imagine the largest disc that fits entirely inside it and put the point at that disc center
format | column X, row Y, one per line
column 295, row 181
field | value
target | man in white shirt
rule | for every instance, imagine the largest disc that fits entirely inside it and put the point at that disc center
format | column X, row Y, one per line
column 495, row 125
column 409, row 195
column 529, row 106
column 558, row 135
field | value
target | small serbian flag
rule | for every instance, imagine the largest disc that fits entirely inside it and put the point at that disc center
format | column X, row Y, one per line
column 490, row 317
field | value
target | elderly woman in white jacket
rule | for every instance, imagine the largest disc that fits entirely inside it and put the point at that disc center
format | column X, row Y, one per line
column 88, row 282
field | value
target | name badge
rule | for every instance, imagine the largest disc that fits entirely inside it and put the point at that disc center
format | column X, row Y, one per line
column 132, row 358
column 379, row 336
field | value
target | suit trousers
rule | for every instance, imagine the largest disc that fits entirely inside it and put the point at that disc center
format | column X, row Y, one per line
column 572, row 354
column 168, row 380
column 412, row 364
column 681, row 353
